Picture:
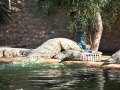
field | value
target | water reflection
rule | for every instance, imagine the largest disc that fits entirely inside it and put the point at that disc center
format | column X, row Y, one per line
column 112, row 79
column 58, row 78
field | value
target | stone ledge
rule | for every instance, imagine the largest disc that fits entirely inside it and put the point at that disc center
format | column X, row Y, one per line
column 56, row 61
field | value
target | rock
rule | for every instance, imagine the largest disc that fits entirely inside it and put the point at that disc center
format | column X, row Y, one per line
column 53, row 47
column 115, row 58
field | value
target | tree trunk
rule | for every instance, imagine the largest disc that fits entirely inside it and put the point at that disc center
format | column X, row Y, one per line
column 98, row 32
column 10, row 7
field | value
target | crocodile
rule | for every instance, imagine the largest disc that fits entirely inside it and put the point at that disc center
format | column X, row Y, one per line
column 115, row 58
column 61, row 49
column 79, row 55
column 14, row 52
column 53, row 47
column 57, row 48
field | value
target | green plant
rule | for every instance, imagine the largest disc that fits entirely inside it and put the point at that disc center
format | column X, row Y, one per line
column 83, row 12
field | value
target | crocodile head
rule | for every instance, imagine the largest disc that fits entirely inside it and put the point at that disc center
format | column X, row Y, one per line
column 114, row 59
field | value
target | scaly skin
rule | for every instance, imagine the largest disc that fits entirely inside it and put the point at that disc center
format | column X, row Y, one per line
column 14, row 52
column 52, row 47
column 115, row 58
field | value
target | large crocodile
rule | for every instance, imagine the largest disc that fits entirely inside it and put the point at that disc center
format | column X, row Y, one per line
column 62, row 48
column 57, row 48
column 53, row 47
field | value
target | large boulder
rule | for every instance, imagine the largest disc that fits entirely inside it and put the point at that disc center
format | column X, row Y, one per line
column 52, row 47
column 115, row 58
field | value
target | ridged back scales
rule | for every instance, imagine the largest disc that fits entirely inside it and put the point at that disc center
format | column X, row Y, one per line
column 53, row 46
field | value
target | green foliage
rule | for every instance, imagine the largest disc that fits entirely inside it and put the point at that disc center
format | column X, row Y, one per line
column 4, row 13
column 46, row 7
column 111, row 12
column 83, row 12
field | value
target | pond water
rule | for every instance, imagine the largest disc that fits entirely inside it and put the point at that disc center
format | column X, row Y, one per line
column 57, row 77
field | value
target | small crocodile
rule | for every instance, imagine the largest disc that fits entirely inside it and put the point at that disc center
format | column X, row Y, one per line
column 115, row 58
column 14, row 52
